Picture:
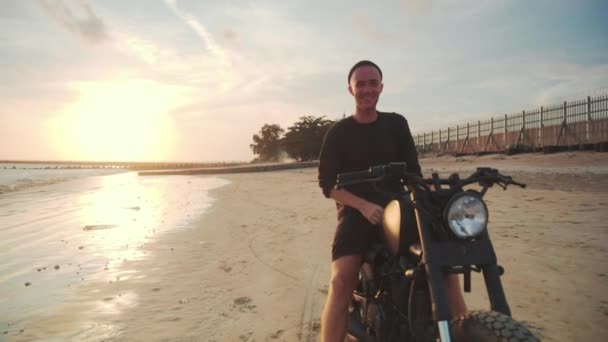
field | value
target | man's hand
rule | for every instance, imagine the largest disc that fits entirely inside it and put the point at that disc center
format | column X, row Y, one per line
column 372, row 212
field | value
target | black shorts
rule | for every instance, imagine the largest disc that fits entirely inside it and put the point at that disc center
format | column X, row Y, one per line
column 355, row 234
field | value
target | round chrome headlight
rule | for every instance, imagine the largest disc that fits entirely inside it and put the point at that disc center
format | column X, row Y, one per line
column 467, row 215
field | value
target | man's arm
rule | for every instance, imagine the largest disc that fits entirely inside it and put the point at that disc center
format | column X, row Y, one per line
column 371, row 211
column 328, row 169
column 328, row 162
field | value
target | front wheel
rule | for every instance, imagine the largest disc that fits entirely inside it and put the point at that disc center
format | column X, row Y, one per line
column 489, row 326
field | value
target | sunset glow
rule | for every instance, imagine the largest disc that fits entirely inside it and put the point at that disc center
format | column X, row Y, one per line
column 177, row 80
column 120, row 120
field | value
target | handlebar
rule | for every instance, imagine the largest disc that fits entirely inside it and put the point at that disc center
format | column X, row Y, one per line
column 354, row 176
column 373, row 174
column 484, row 176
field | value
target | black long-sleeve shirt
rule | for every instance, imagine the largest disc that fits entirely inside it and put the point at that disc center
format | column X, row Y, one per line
column 352, row 146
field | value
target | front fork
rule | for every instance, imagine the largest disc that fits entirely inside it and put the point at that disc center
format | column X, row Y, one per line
column 435, row 279
column 444, row 331
column 484, row 255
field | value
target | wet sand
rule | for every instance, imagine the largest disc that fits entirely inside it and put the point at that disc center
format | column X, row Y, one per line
column 255, row 266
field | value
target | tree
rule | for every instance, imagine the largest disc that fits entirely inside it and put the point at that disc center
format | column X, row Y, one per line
column 303, row 140
column 267, row 144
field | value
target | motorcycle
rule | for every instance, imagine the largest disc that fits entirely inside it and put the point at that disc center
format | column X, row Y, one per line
column 401, row 294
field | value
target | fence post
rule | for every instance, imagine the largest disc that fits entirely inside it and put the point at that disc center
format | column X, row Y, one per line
column 542, row 127
column 424, row 142
column 522, row 132
column 439, row 143
column 447, row 143
column 587, row 137
column 564, row 121
column 466, row 139
column 478, row 135
column 505, row 134
column 457, row 137
column 491, row 135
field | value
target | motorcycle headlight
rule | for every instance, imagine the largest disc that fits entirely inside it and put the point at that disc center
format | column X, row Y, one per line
column 467, row 215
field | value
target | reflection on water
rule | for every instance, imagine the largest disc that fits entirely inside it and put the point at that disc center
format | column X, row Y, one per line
column 58, row 238
column 123, row 212
column 115, row 305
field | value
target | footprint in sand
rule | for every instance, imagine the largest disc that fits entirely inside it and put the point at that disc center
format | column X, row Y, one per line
column 246, row 337
column 312, row 331
column 277, row 334
column 244, row 304
column 224, row 267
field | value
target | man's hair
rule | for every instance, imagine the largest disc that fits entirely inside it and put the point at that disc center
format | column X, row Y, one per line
column 362, row 64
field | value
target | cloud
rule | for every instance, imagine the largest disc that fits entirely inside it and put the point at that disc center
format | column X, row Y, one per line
column 566, row 82
column 200, row 30
column 77, row 17
column 418, row 6
column 364, row 26
column 220, row 65
column 230, row 35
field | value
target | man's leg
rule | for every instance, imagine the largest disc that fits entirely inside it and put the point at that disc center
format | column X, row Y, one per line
column 344, row 277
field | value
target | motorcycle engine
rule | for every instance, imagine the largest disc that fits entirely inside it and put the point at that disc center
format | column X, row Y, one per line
column 384, row 321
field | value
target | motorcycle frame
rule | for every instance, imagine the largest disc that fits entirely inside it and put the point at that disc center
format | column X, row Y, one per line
column 440, row 251
column 439, row 257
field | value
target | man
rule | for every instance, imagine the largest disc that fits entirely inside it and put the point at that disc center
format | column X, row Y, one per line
column 365, row 139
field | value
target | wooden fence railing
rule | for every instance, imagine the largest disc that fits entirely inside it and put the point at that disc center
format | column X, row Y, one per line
column 578, row 123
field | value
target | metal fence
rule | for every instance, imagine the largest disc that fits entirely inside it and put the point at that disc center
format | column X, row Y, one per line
column 578, row 123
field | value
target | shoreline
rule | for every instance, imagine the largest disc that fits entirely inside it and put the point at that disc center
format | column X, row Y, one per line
column 265, row 167
column 527, row 161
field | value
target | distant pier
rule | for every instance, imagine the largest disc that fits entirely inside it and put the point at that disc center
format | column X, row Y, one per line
column 135, row 166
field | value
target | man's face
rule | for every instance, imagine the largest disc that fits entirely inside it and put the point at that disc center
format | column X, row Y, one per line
column 366, row 86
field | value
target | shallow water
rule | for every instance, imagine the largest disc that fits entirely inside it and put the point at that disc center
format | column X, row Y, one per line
column 55, row 238
column 15, row 177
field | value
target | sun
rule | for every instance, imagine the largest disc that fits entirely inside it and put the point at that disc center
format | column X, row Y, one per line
column 125, row 120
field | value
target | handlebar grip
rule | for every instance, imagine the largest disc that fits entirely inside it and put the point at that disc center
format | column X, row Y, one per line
column 355, row 175
column 521, row 185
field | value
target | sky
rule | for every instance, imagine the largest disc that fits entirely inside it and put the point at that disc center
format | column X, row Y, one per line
column 178, row 80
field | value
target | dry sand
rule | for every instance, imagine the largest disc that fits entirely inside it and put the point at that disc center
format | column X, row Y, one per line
column 256, row 265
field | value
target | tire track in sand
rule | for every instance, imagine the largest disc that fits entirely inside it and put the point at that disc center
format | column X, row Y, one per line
column 307, row 327
column 267, row 264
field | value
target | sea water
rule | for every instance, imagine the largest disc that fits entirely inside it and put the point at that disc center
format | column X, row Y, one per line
column 60, row 229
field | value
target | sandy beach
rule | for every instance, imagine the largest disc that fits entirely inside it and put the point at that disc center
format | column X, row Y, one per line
column 255, row 266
